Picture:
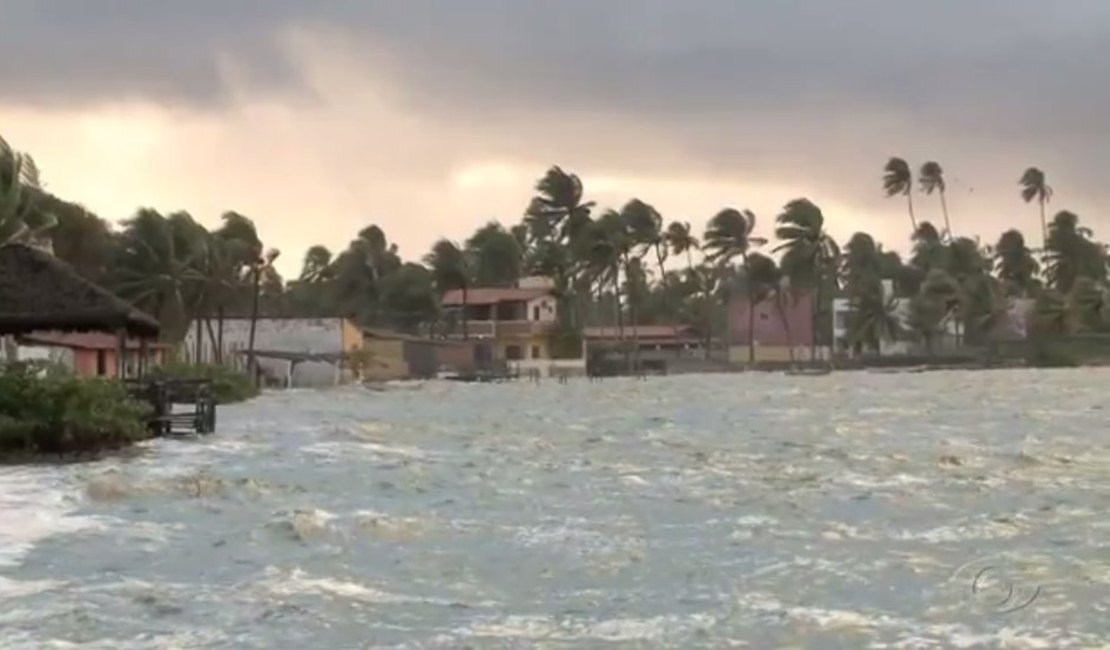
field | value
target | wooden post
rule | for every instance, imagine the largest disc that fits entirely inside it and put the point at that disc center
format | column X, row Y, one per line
column 143, row 351
column 121, row 349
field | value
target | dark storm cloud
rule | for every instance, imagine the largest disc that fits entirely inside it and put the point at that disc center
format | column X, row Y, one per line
column 724, row 78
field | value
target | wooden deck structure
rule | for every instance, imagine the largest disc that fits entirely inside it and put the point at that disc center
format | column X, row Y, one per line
column 198, row 416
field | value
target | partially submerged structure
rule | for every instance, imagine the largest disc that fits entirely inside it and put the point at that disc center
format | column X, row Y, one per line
column 40, row 293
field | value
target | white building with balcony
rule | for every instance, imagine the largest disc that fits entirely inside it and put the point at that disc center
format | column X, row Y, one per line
column 515, row 325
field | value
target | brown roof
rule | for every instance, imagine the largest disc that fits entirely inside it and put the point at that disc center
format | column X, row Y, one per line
column 88, row 341
column 491, row 296
column 38, row 292
column 641, row 331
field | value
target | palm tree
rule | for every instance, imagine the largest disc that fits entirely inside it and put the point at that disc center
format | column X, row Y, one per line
column 1035, row 187
column 498, row 259
column 810, row 255
column 929, row 251
column 681, row 239
column 317, row 265
column 451, row 269
column 898, row 179
column 261, row 267
column 1015, row 264
column 728, row 236
column 157, row 268
column 1071, row 254
column 932, row 180
column 239, row 250
column 558, row 206
column 20, row 219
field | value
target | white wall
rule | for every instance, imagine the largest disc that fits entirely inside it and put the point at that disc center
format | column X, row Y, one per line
column 547, row 308
column 318, row 335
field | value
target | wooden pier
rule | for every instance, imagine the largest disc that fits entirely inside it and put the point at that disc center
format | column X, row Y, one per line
column 163, row 395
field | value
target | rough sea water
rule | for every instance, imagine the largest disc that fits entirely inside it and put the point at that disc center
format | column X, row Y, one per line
column 857, row 510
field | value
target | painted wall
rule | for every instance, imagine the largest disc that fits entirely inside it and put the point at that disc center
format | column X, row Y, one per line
column 318, row 335
column 543, row 310
column 388, row 361
column 769, row 329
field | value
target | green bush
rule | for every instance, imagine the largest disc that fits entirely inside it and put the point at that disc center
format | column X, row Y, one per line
column 228, row 385
column 52, row 413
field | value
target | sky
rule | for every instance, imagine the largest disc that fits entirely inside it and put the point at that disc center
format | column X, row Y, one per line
column 432, row 117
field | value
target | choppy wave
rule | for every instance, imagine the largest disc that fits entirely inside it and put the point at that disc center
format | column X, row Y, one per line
column 934, row 510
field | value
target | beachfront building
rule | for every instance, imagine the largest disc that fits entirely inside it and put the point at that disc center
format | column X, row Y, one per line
column 666, row 348
column 289, row 352
column 781, row 329
column 93, row 354
column 43, row 298
column 515, row 325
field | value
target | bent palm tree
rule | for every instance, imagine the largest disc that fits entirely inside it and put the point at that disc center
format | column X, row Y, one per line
column 898, row 179
column 809, row 255
column 932, row 180
column 728, row 236
column 20, row 220
column 1034, row 187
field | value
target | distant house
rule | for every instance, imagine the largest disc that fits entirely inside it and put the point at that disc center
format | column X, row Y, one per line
column 93, row 354
column 783, row 328
column 295, row 352
column 512, row 325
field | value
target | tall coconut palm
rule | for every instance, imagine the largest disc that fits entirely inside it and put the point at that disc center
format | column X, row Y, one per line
column 558, row 207
column 681, row 240
column 898, row 179
column 932, row 180
column 809, row 255
column 451, row 269
column 1070, row 253
column 929, row 251
column 21, row 219
column 262, row 267
column 729, row 235
column 1034, row 187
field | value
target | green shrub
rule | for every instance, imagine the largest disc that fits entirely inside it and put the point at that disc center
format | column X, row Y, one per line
column 228, row 385
column 62, row 414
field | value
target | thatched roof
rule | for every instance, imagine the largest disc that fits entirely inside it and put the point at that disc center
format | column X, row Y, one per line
column 39, row 292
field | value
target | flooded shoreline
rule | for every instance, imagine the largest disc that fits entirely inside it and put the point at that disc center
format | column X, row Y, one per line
column 854, row 510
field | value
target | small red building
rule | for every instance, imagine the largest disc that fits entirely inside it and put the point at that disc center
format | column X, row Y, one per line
column 95, row 354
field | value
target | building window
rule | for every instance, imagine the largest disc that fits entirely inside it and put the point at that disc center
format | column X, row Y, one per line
column 536, row 352
column 101, row 363
column 514, row 353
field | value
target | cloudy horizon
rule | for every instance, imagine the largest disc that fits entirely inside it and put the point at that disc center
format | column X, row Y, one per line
column 430, row 118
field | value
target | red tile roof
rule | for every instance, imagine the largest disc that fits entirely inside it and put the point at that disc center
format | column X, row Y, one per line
column 491, row 296
column 90, row 341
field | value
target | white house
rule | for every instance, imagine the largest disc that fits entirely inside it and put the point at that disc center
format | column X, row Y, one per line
column 277, row 342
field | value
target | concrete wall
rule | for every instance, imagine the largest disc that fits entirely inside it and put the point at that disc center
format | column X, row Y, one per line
column 317, row 335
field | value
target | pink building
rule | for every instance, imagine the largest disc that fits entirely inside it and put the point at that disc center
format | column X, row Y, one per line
column 95, row 354
column 778, row 326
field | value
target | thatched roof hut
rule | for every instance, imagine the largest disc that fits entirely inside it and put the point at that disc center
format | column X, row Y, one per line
column 38, row 292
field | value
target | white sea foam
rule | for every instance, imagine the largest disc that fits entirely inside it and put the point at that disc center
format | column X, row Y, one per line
column 33, row 508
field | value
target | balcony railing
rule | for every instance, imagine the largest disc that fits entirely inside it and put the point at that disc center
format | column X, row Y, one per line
column 502, row 328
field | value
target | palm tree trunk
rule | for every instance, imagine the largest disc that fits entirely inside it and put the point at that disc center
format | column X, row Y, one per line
column 944, row 209
column 251, row 368
column 200, row 341
column 816, row 319
column 751, row 312
column 466, row 300
column 211, row 336
column 1044, row 237
column 633, row 315
column 785, row 324
column 913, row 219
column 220, row 334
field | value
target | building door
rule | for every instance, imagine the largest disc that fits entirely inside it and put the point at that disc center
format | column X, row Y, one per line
column 101, row 363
